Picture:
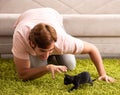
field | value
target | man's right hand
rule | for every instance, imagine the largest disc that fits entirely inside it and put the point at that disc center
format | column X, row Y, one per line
column 53, row 69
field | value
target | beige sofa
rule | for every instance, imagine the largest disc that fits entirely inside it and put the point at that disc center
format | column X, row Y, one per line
column 101, row 30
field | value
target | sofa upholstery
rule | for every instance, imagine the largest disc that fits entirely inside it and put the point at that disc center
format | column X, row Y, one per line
column 101, row 30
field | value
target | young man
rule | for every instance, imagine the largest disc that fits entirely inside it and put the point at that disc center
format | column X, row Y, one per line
column 40, row 33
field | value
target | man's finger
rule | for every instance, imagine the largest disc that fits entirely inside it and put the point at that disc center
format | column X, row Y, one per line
column 53, row 74
column 59, row 70
column 100, row 78
column 107, row 80
column 63, row 69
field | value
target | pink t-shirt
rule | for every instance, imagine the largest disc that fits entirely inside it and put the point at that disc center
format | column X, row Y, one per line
column 66, row 44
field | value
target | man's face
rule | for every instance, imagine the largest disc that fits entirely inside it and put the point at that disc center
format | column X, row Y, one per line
column 43, row 54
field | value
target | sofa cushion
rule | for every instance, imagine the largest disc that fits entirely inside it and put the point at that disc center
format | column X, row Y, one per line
column 76, row 25
column 92, row 25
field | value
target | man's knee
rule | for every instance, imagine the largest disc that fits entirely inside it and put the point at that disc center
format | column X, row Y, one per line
column 66, row 59
column 70, row 62
column 71, row 65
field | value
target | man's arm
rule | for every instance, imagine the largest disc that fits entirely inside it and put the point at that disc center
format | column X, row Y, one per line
column 97, row 60
column 26, row 73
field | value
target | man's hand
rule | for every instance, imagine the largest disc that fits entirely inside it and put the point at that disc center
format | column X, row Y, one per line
column 106, row 78
column 53, row 69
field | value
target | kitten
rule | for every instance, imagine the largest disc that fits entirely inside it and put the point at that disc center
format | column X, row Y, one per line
column 82, row 78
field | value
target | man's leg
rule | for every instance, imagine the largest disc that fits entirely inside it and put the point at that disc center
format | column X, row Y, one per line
column 66, row 59
column 36, row 62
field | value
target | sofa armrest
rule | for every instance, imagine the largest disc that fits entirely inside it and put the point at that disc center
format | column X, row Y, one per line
column 6, row 24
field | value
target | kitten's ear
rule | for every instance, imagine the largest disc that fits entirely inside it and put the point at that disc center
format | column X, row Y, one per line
column 65, row 75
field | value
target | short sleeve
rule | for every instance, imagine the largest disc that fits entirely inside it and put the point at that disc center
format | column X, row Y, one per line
column 72, row 45
column 19, row 49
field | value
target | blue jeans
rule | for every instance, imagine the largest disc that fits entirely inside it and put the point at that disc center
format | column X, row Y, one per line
column 66, row 59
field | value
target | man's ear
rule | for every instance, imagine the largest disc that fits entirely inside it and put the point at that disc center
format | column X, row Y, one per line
column 32, row 44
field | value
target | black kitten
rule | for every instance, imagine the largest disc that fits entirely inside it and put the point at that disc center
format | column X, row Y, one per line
column 82, row 78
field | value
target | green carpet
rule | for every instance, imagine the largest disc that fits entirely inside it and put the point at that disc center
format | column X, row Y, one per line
column 11, row 85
